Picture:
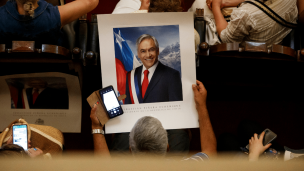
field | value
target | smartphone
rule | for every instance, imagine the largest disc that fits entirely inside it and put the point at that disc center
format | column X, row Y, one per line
column 268, row 137
column 20, row 136
column 110, row 102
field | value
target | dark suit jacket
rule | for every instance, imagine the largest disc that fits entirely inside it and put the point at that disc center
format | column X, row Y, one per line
column 49, row 98
column 164, row 86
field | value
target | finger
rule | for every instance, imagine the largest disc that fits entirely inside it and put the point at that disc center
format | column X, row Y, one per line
column 93, row 110
column 255, row 136
column 262, row 136
column 267, row 146
column 200, row 85
column 252, row 139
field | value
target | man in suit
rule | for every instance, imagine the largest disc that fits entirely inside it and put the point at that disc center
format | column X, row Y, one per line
column 40, row 96
column 153, row 81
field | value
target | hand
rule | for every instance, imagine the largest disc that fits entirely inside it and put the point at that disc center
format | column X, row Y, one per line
column 95, row 122
column 256, row 147
column 34, row 152
column 211, row 3
column 200, row 94
column 145, row 4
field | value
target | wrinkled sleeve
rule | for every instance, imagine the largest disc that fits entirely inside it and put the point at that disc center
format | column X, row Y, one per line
column 238, row 28
column 126, row 6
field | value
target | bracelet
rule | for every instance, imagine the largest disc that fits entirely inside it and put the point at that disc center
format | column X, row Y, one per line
column 97, row 131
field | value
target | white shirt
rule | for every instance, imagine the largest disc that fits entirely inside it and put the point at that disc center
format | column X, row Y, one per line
column 151, row 72
column 126, row 6
column 249, row 23
column 40, row 90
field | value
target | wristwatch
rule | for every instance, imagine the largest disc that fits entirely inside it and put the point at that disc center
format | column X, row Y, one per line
column 97, row 131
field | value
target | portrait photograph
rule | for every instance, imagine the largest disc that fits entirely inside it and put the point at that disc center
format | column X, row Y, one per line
column 150, row 58
column 156, row 50
column 38, row 93
column 46, row 98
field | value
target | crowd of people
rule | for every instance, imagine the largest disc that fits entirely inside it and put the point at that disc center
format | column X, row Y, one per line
column 40, row 21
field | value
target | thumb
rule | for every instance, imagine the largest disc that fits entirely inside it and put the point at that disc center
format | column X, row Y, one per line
column 94, row 108
column 194, row 87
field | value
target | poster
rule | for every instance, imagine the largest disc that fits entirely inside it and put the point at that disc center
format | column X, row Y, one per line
column 162, row 44
column 52, row 99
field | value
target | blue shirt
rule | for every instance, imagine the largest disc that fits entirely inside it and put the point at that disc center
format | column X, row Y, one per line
column 43, row 28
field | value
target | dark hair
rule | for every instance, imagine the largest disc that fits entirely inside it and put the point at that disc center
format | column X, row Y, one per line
column 12, row 150
column 165, row 6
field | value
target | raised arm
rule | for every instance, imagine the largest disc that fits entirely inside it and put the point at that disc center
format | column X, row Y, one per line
column 145, row 4
column 225, row 3
column 220, row 21
column 208, row 140
column 75, row 9
column 100, row 144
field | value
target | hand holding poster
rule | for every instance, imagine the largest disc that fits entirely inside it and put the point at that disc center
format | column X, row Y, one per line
column 151, row 59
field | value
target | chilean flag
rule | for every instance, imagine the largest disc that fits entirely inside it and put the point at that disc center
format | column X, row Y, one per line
column 125, row 60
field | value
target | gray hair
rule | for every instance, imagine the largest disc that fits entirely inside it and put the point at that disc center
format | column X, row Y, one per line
column 148, row 137
column 146, row 36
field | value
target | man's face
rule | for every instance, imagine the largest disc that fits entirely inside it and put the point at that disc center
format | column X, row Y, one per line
column 148, row 52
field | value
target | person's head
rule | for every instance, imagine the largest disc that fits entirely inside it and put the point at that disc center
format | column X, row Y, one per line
column 12, row 150
column 165, row 6
column 147, row 50
column 28, row 6
column 148, row 137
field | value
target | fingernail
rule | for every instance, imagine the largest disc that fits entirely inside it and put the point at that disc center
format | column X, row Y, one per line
column 97, row 102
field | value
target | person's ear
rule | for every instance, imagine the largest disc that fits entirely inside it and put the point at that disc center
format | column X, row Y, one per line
column 168, row 149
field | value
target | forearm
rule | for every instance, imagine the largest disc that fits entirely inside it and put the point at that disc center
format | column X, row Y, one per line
column 220, row 21
column 208, row 140
column 100, row 145
column 232, row 3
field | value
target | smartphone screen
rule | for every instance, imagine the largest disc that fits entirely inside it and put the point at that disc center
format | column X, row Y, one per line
column 20, row 136
column 110, row 102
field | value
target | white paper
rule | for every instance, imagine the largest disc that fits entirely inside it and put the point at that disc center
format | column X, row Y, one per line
column 63, row 113
column 173, row 115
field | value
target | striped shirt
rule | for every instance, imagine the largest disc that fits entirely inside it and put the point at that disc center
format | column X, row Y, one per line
column 197, row 157
column 249, row 23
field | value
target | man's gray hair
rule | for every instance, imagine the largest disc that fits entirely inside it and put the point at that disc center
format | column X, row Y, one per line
column 146, row 36
column 148, row 137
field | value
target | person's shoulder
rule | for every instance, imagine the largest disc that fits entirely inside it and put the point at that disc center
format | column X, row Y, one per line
column 167, row 68
column 197, row 157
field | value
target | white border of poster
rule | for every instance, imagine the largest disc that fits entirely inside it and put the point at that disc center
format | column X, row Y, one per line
column 173, row 115
column 66, row 120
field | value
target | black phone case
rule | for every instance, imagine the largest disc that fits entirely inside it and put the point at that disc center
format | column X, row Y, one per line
column 110, row 117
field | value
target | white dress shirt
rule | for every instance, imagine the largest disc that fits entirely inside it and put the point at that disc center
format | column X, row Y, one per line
column 39, row 90
column 126, row 6
column 151, row 72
